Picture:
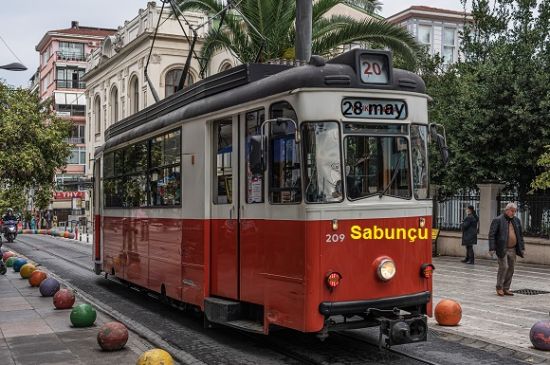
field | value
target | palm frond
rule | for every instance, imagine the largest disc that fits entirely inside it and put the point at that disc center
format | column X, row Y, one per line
column 388, row 35
column 207, row 6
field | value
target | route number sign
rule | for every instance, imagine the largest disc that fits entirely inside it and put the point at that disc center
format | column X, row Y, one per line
column 374, row 68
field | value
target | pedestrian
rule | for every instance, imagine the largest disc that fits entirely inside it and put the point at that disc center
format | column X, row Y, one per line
column 506, row 239
column 469, row 234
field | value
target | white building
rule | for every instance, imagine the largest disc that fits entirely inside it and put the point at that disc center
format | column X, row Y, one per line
column 436, row 29
column 115, row 82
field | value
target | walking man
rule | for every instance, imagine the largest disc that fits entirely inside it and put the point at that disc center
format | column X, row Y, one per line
column 506, row 239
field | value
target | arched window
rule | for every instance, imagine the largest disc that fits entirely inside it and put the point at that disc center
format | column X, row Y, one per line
column 172, row 79
column 114, row 105
column 226, row 66
column 97, row 114
column 134, row 95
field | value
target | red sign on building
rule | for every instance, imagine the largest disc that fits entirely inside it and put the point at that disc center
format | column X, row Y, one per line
column 60, row 195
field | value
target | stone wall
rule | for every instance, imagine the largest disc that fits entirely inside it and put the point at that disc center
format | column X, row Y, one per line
column 449, row 243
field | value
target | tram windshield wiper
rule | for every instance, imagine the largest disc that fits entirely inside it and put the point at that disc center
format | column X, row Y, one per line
column 394, row 175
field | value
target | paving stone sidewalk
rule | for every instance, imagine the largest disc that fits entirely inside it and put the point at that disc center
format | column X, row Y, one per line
column 505, row 321
column 33, row 332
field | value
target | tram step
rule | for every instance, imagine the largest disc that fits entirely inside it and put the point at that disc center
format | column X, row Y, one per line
column 221, row 310
column 246, row 325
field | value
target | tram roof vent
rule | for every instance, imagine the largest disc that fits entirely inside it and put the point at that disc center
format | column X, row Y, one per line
column 407, row 83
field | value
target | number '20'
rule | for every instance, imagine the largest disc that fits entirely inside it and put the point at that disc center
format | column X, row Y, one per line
column 333, row 238
column 374, row 66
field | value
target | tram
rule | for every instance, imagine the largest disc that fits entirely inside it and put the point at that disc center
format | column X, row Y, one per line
column 275, row 196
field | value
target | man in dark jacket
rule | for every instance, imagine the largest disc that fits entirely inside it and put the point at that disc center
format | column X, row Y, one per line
column 506, row 239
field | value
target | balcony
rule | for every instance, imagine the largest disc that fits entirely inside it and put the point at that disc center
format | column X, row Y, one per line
column 70, row 84
column 71, row 56
column 75, row 140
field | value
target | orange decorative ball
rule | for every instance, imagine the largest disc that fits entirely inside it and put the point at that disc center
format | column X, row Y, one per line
column 448, row 313
column 37, row 277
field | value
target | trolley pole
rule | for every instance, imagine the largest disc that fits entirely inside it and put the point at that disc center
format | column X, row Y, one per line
column 303, row 29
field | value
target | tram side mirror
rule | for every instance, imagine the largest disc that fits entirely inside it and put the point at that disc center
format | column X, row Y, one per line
column 443, row 149
column 256, row 155
column 441, row 142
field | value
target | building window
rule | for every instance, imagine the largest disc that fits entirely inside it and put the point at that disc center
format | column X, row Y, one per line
column 69, row 78
column 114, row 105
column 78, row 156
column 77, row 134
column 448, row 45
column 134, row 95
column 172, row 80
column 424, row 37
column 70, row 110
column 97, row 114
column 71, row 51
column 46, row 56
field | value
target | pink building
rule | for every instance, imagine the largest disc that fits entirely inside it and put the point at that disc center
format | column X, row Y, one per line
column 63, row 54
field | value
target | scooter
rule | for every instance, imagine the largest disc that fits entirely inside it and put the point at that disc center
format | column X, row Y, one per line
column 10, row 230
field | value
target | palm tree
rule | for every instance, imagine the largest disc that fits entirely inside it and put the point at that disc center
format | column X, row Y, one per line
column 266, row 28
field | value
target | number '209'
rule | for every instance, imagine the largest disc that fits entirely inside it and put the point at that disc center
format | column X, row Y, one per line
column 335, row 238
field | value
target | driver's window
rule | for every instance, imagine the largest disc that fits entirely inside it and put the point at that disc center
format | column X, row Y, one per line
column 284, row 157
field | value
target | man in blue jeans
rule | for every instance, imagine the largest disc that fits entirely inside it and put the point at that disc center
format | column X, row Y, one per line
column 506, row 239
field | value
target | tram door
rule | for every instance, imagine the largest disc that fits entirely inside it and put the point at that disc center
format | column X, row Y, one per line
column 224, row 259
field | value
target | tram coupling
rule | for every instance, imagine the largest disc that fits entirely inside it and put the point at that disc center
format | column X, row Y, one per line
column 398, row 327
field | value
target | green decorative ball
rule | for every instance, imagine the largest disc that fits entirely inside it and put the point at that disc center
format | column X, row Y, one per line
column 10, row 261
column 83, row 315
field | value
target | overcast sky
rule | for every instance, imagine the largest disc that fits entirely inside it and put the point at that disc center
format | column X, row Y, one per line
column 24, row 22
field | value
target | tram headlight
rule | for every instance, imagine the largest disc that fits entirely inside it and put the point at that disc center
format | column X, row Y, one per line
column 386, row 269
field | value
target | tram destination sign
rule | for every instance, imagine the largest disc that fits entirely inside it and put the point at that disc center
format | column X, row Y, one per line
column 374, row 108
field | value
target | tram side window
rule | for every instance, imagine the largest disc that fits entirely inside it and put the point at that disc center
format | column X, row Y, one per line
column 285, row 182
column 223, row 140
column 147, row 173
column 165, row 170
column 254, row 181
column 323, row 170
column 419, row 151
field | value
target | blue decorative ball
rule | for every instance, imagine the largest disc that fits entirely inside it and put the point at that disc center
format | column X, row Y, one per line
column 18, row 264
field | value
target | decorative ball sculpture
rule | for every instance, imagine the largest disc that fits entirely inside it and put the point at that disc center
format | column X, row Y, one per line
column 448, row 313
column 64, row 299
column 9, row 262
column 37, row 277
column 7, row 255
column 49, row 287
column 540, row 335
column 18, row 264
column 112, row 336
column 27, row 270
column 83, row 315
column 155, row 357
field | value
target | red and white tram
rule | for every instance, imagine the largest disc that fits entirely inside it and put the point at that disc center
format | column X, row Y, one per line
column 270, row 195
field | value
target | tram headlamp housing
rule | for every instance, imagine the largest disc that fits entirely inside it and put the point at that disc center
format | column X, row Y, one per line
column 386, row 269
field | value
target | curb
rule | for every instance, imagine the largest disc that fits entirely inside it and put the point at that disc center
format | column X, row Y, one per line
column 494, row 346
column 142, row 331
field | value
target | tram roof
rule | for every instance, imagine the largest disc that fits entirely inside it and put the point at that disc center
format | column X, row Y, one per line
column 249, row 82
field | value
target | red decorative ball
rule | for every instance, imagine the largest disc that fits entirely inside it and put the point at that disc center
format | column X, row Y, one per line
column 112, row 336
column 64, row 299
column 448, row 313
column 37, row 277
column 540, row 335
column 7, row 255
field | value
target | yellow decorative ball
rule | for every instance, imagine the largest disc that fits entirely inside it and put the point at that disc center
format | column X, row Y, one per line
column 155, row 357
column 27, row 270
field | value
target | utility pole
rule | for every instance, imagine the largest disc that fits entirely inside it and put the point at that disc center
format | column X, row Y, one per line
column 304, row 20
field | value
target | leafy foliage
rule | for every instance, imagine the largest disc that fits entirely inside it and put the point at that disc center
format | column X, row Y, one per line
column 495, row 101
column 267, row 28
column 32, row 145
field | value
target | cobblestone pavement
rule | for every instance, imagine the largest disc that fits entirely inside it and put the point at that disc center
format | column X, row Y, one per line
column 33, row 332
column 502, row 321
column 185, row 330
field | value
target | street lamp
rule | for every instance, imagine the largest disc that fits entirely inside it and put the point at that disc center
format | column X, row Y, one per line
column 14, row 66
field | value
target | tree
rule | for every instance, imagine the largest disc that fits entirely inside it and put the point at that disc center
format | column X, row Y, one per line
column 370, row 6
column 32, row 145
column 542, row 181
column 495, row 102
column 267, row 28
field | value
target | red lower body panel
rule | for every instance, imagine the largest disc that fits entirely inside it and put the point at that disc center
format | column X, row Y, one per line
column 281, row 265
